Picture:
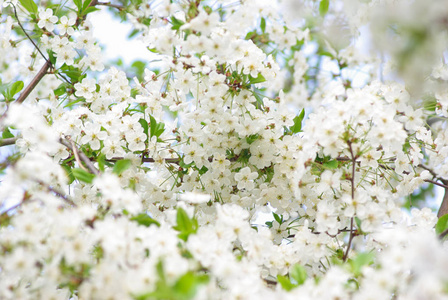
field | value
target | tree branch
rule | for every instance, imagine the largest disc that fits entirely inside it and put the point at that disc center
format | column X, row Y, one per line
column 31, row 40
column 8, row 141
column 119, row 7
column 57, row 193
column 443, row 210
column 30, row 87
column 68, row 143
column 352, row 181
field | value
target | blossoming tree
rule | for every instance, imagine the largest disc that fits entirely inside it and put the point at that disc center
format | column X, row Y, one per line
column 153, row 181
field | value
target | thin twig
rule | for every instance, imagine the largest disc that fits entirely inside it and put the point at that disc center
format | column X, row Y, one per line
column 67, row 143
column 31, row 40
column 436, row 183
column 119, row 7
column 75, row 152
column 57, row 193
column 344, row 258
column 30, row 87
column 8, row 141
column 352, row 181
column 11, row 208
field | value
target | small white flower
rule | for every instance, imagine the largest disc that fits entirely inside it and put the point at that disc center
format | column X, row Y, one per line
column 47, row 19
column 195, row 198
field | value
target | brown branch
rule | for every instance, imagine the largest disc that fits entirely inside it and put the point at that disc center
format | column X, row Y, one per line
column 436, row 183
column 119, row 7
column 10, row 209
column 443, row 234
column 75, row 152
column 45, row 67
column 443, row 210
column 31, row 40
column 8, row 141
column 352, row 181
column 30, row 87
column 57, row 193
column 167, row 160
column 67, row 143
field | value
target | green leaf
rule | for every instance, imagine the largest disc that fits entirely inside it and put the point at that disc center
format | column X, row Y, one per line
column 139, row 67
column 8, row 90
column 6, row 134
column 252, row 138
column 101, row 159
column 156, row 129
column 145, row 126
column 258, row 79
column 16, row 87
column 133, row 33
column 358, row 222
column 88, row 10
column 185, row 225
column 72, row 72
column 78, row 4
column 69, row 172
column 188, row 283
column 145, row 220
column 297, row 127
column 29, row 5
column 360, row 260
column 285, row 282
column 298, row 273
column 263, row 25
column 278, row 218
column 51, row 56
column 121, row 166
column 442, row 224
column 176, row 23
column 332, row 164
column 259, row 102
column 323, row 7
column 83, row 175
column 61, row 89
column 86, row 4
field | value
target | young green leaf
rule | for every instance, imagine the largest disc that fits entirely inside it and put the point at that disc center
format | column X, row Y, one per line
column 258, row 79
column 323, row 7
column 145, row 220
column 156, row 129
column 332, row 164
column 78, row 4
column 121, row 166
column 360, row 260
column 278, row 218
column 83, row 175
column 29, row 5
column 298, row 273
column 442, row 224
column 185, row 225
column 176, row 23
column 188, row 283
column 145, row 126
column 6, row 134
column 61, row 89
column 15, row 88
column 263, row 25
column 88, row 10
column 297, row 127
column 285, row 282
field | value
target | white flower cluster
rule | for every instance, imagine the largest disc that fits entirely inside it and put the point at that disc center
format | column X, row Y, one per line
column 246, row 165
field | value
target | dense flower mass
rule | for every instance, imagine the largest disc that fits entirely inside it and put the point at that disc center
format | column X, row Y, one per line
column 264, row 153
